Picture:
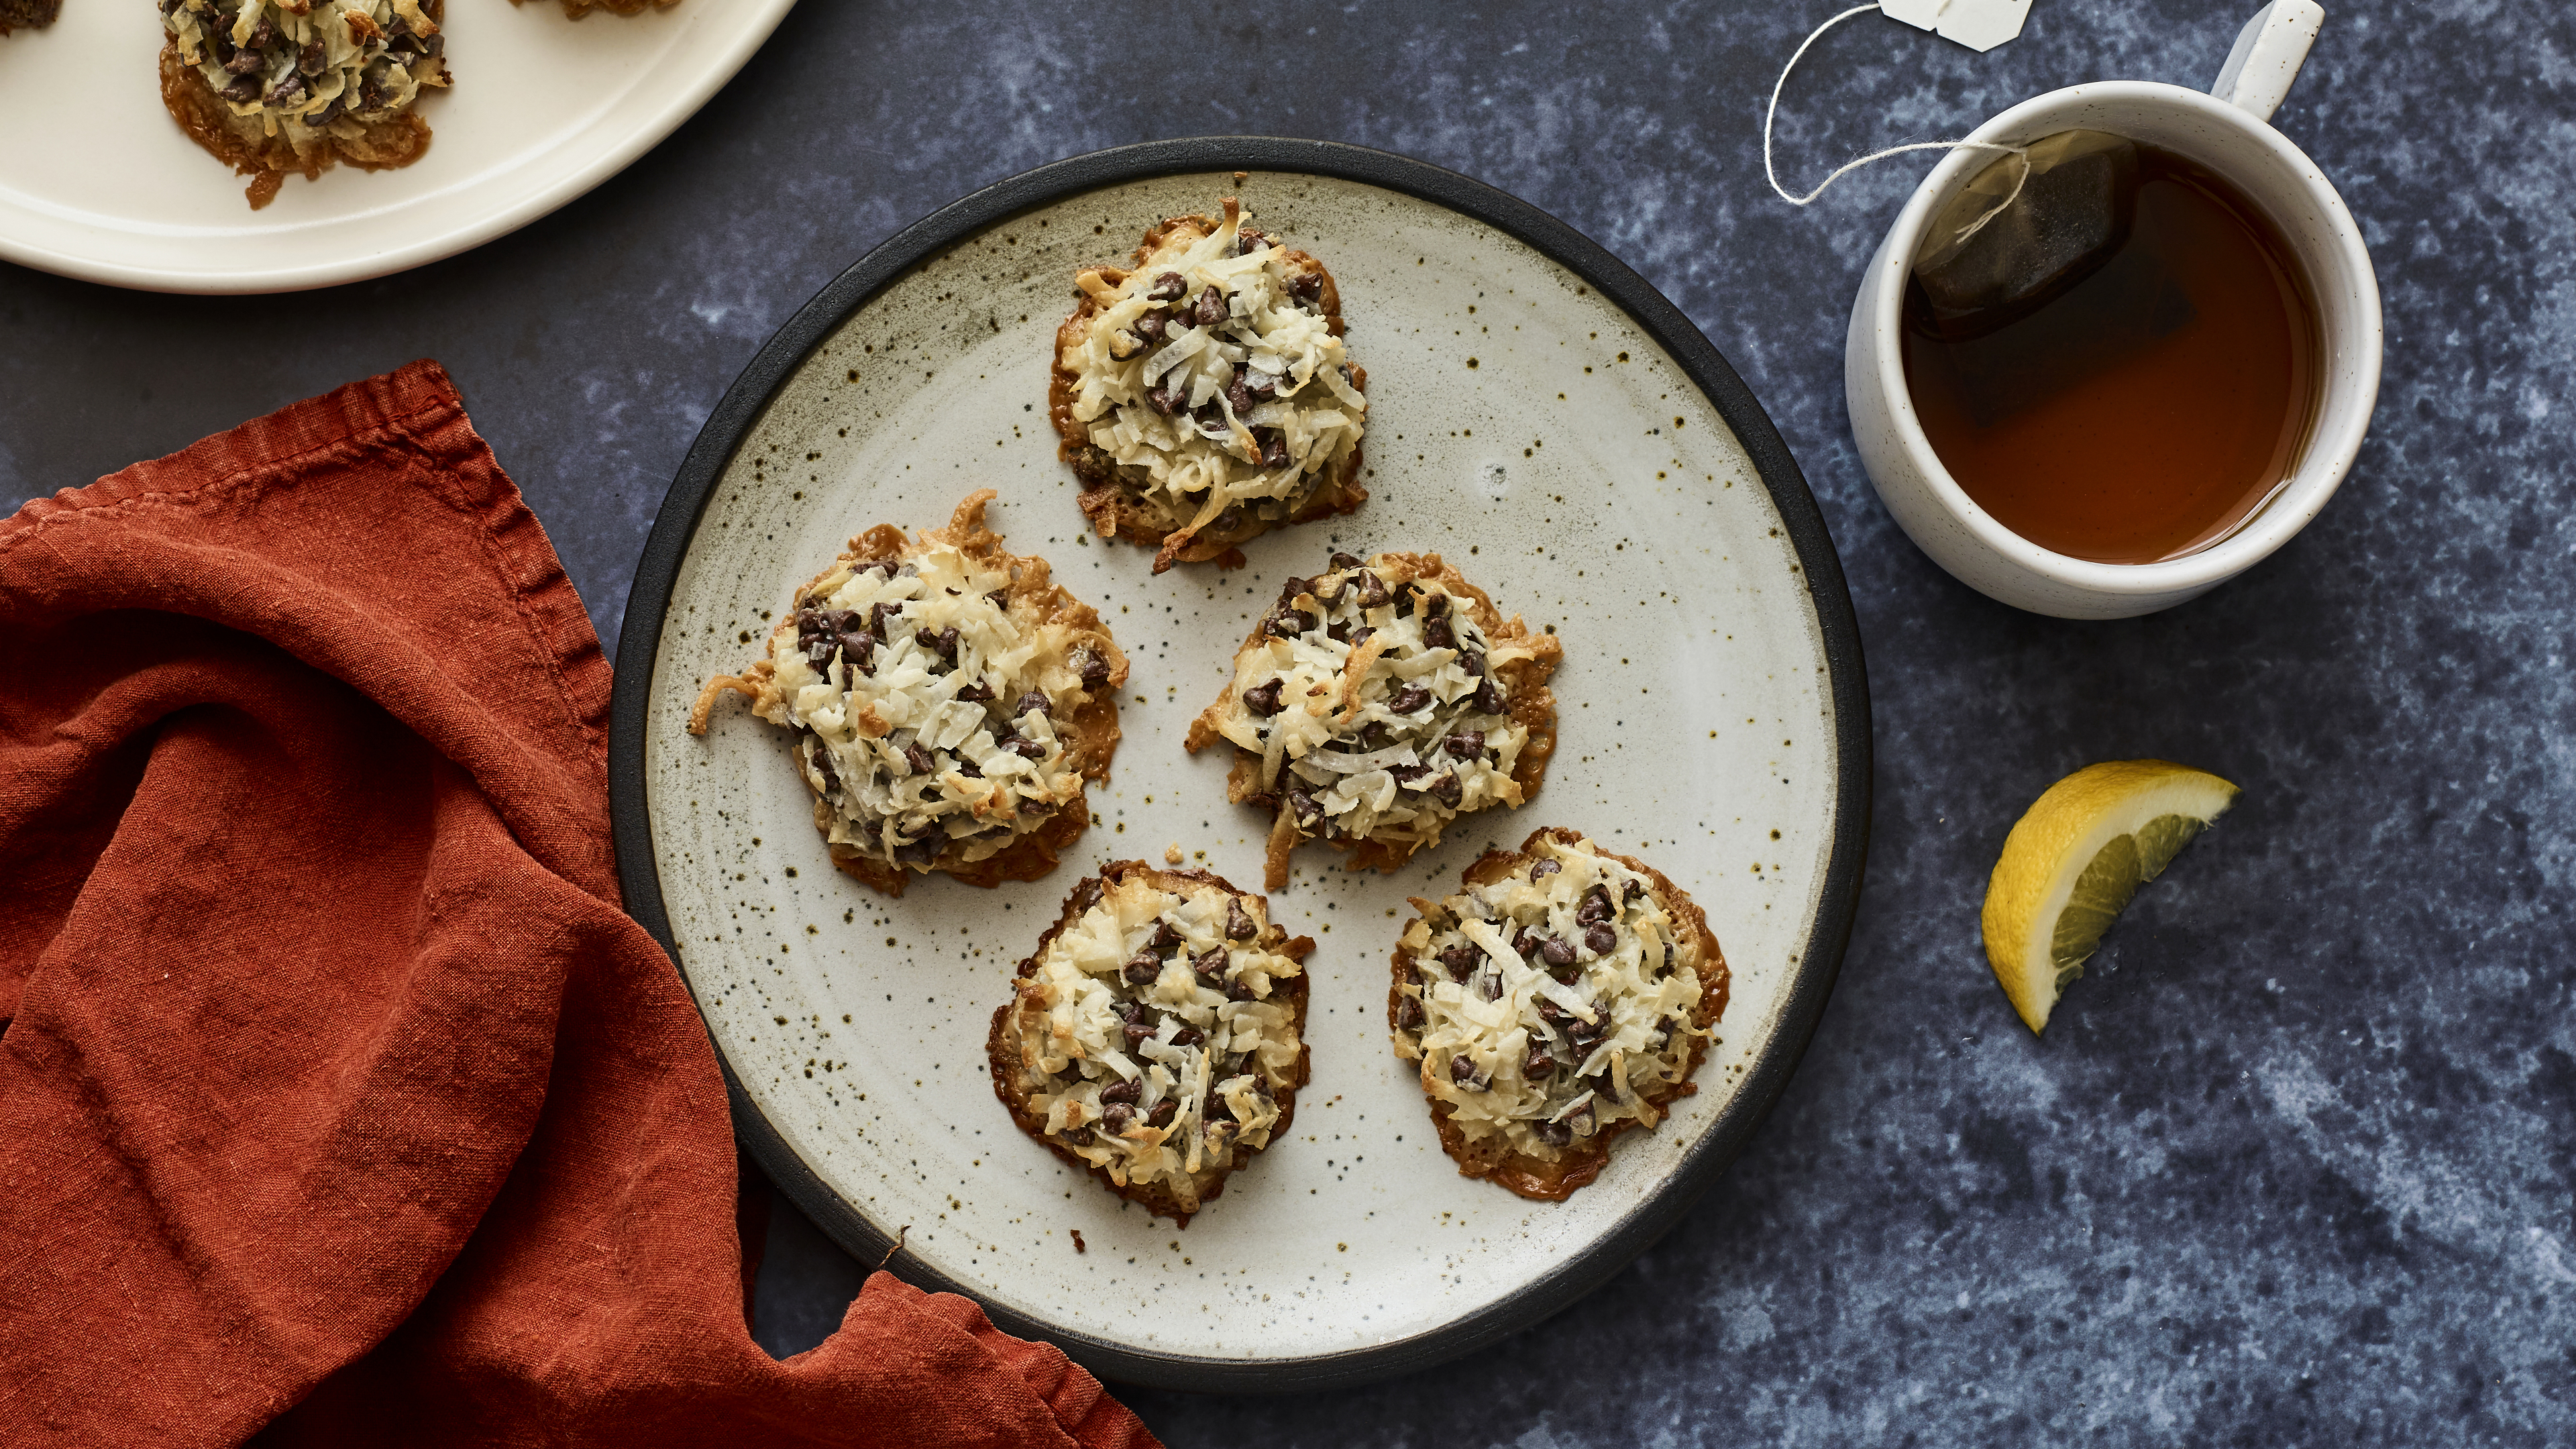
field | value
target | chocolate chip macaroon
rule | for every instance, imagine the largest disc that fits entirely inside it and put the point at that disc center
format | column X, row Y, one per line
column 33, row 14
column 1204, row 395
column 1563, row 996
column 273, row 86
column 1156, row 1036
column 950, row 704
column 1376, row 703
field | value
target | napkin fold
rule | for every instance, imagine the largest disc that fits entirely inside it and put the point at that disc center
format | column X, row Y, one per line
column 339, row 1100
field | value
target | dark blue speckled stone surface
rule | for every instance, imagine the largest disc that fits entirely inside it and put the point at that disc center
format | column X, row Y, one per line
column 2294, row 1163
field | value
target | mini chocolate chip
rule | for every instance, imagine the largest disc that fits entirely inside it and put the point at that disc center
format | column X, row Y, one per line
column 1218, row 1110
column 1408, row 699
column 1136, row 1031
column 1027, row 749
column 1210, row 963
column 1260, row 386
column 1289, row 623
column 1208, row 308
column 1306, row 286
column 976, row 693
column 1238, row 921
column 1167, row 287
column 1345, row 561
column 1406, row 775
column 1461, row 961
column 1436, row 635
column 1115, row 1119
column 1525, row 941
column 1542, row 869
column 1247, row 241
column 942, row 642
column 971, row 771
column 1122, row 1091
column 1151, row 329
column 1434, row 605
column 1553, row 1014
column 1238, row 396
column 1142, row 968
column 1339, row 631
column 1361, row 635
column 1165, row 400
column 1230, row 520
column 1408, row 1014
column 1079, row 1136
column 1556, row 951
column 1595, row 907
column 1303, row 807
column 1601, row 939
column 1163, row 1113
column 1463, row 1072
column 1240, row 989
column 1263, row 699
column 1274, row 447
column 920, row 852
column 1539, row 1063
column 1489, row 697
column 1166, row 936
column 1466, row 745
column 1555, row 1134
column 1447, row 790
column 1471, row 664
column 919, row 759
column 1630, row 890
column 1373, row 594
column 1188, row 1036
column 1091, row 668
column 1603, row 1086
column 1035, row 700
column 881, row 617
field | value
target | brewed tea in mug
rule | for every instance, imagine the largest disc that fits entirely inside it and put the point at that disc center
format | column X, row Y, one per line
column 2150, row 404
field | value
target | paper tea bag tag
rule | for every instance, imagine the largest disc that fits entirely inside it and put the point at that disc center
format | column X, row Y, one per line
column 1980, row 25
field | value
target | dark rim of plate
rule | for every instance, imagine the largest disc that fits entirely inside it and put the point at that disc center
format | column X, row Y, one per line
column 1812, row 980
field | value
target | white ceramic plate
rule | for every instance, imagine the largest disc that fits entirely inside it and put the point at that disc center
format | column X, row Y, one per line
column 1522, row 423
column 543, row 110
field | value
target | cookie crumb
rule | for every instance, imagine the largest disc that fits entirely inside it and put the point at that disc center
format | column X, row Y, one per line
column 1077, row 1242
column 1172, row 854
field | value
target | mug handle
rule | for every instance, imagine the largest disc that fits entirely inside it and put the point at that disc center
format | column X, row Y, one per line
column 2268, row 52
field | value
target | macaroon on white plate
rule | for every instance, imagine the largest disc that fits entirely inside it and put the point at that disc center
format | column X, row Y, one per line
column 1538, row 414
column 99, row 183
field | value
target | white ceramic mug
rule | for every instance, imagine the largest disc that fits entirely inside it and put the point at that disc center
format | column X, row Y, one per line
column 2230, row 136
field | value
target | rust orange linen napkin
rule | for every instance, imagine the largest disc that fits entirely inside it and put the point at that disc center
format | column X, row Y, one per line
column 339, row 1101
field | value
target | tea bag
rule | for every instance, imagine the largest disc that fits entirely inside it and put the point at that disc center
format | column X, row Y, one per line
column 2027, row 280
column 2025, row 230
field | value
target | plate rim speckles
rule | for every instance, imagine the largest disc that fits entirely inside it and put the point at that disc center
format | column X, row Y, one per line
column 1810, row 977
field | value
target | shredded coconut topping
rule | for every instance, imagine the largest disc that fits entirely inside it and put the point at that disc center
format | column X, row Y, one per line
column 1374, row 708
column 1213, row 368
column 320, row 64
column 926, row 709
column 1155, row 1034
column 1549, row 1005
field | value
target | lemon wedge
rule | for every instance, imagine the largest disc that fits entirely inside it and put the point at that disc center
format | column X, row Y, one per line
column 2075, row 858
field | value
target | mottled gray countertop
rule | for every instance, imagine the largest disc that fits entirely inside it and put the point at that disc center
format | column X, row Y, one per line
column 2293, row 1164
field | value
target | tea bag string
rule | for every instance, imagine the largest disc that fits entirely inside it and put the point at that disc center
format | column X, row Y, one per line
column 1767, row 117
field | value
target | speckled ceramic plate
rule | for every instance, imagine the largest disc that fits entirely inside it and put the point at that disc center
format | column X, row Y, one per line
column 1538, row 414
column 544, row 108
